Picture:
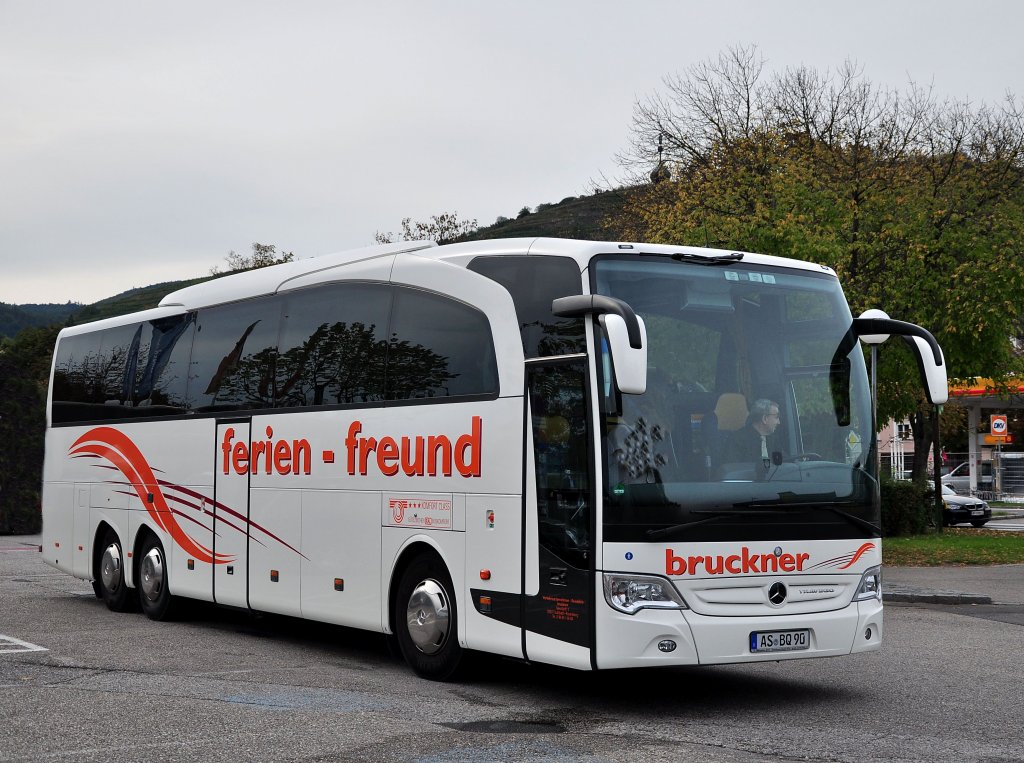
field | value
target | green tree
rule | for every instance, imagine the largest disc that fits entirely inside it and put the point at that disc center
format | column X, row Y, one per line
column 444, row 229
column 918, row 204
column 263, row 255
column 24, row 374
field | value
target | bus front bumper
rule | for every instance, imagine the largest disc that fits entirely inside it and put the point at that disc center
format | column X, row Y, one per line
column 682, row 637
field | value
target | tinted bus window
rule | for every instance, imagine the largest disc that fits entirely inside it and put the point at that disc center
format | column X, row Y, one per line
column 119, row 349
column 534, row 282
column 93, row 375
column 232, row 364
column 75, row 386
column 438, row 348
column 162, row 370
column 333, row 345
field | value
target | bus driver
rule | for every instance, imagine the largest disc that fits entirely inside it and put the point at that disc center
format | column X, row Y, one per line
column 756, row 442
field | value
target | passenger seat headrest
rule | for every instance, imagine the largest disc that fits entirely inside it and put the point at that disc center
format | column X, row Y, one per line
column 731, row 411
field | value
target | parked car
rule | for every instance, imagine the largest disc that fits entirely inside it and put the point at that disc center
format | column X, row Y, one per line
column 960, row 478
column 963, row 508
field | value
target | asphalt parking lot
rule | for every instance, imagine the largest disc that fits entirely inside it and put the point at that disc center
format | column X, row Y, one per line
column 87, row 684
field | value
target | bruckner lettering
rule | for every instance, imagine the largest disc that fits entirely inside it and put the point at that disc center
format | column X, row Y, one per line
column 742, row 563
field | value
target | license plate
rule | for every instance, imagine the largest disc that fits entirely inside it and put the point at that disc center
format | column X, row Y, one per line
column 780, row 641
column 977, row 513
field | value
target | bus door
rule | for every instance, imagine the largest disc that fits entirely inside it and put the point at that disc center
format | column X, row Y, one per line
column 559, row 618
column 231, row 516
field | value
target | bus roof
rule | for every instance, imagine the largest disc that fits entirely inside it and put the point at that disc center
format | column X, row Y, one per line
column 272, row 279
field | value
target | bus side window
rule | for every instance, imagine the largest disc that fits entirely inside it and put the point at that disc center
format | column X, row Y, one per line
column 162, row 371
column 562, row 462
column 438, row 348
column 333, row 345
column 534, row 281
column 116, row 366
column 75, row 392
column 233, row 356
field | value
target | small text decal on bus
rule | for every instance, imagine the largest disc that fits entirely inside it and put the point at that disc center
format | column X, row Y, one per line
column 416, row 456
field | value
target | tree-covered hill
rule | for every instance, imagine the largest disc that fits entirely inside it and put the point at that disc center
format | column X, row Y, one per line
column 131, row 301
column 14, row 318
column 578, row 217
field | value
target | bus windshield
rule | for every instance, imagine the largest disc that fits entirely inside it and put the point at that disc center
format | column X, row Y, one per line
column 756, row 422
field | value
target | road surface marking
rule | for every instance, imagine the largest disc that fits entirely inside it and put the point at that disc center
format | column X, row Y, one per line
column 10, row 644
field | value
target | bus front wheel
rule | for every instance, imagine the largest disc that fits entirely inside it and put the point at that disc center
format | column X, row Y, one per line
column 425, row 619
column 152, row 580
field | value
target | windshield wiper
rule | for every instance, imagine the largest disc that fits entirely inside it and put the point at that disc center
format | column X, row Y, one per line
column 863, row 524
column 712, row 516
column 704, row 259
column 854, row 520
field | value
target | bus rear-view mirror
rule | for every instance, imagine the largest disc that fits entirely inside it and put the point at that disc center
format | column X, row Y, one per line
column 630, row 362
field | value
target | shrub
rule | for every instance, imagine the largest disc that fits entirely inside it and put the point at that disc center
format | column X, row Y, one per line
column 908, row 508
column 24, row 363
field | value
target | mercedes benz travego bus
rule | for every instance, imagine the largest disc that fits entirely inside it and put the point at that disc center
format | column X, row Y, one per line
column 525, row 447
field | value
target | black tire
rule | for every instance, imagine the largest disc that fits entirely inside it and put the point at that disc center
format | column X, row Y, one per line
column 109, row 579
column 151, row 580
column 426, row 619
column 979, row 523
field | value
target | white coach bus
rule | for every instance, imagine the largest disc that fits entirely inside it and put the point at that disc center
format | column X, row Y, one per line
column 525, row 447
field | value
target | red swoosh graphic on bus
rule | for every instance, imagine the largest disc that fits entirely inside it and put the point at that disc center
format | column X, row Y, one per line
column 858, row 554
column 118, row 449
column 232, row 512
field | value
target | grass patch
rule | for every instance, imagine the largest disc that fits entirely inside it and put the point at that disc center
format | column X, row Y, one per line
column 955, row 546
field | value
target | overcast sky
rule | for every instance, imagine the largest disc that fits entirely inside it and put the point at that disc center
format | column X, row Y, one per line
column 141, row 142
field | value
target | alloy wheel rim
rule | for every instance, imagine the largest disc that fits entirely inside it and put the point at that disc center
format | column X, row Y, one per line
column 110, row 568
column 427, row 616
column 152, row 574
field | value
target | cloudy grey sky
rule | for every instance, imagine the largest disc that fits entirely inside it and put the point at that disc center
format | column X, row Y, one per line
column 141, row 141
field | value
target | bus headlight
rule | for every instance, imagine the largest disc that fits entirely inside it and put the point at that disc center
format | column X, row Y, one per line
column 870, row 585
column 631, row 593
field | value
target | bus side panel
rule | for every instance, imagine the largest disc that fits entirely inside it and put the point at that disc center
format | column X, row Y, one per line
column 341, row 557
column 171, row 497
column 129, row 476
column 83, row 533
column 230, row 510
column 555, row 652
column 59, row 499
column 275, row 538
column 195, row 583
column 494, row 550
column 58, row 523
column 95, row 503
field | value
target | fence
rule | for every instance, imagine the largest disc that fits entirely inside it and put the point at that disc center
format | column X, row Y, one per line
column 1000, row 477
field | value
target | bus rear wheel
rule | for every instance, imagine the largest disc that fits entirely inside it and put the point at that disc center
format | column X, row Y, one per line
column 109, row 583
column 154, row 597
column 426, row 620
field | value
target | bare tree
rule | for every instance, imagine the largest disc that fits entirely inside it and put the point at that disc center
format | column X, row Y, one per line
column 917, row 202
column 444, row 229
column 262, row 256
